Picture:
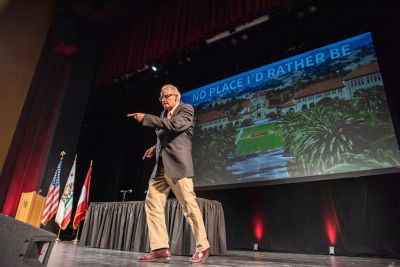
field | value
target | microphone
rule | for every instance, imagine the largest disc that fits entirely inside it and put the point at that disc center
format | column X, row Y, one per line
column 124, row 192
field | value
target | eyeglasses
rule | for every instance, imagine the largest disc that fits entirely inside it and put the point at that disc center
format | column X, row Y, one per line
column 166, row 96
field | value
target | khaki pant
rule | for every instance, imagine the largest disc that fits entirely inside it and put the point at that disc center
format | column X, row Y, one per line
column 156, row 198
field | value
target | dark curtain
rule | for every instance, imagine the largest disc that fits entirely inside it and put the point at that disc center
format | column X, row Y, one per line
column 358, row 216
column 171, row 26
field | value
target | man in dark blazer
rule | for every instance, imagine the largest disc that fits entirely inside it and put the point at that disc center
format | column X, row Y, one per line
column 173, row 171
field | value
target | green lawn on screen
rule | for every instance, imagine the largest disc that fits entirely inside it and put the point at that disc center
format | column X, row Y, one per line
column 259, row 138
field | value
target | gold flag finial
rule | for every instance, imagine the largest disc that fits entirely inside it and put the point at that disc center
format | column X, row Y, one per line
column 62, row 154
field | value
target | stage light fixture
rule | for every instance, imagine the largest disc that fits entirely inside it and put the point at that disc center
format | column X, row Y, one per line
column 312, row 9
column 239, row 28
column 332, row 250
column 255, row 247
column 252, row 23
column 145, row 67
column 217, row 37
column 154, row 68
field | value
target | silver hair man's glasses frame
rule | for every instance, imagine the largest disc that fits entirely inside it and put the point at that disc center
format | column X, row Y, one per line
column 166, row 96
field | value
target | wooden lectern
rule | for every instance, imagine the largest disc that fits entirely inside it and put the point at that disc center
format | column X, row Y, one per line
column 30, row 208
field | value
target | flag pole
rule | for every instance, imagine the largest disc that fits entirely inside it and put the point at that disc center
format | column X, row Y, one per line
column 76, row 240
column 58, row 236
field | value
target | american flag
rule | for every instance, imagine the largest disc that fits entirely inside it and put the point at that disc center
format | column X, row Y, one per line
column 53, row 196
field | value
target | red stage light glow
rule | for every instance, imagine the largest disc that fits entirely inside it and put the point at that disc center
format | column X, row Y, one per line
column 331, row 230
column 66, row 50
column 258, row 227
column 331, row 222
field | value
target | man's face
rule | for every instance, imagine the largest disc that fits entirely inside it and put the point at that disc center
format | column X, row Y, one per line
column 168, row 98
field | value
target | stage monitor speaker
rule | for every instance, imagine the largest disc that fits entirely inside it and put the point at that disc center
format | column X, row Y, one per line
column 22, row 244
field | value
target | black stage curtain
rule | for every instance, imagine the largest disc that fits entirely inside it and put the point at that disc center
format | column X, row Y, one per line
column 171, row 26
column 122, row 226
column 358, row 216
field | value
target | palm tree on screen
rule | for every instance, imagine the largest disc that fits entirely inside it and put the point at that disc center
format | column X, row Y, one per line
column 318, row 138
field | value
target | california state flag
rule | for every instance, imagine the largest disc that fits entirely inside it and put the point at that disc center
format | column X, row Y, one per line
column 64, row 212
column 83, row 203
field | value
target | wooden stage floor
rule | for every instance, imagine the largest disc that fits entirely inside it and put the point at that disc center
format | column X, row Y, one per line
column 65, row 253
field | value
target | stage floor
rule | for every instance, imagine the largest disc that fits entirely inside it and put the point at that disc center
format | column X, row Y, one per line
column 67, row 254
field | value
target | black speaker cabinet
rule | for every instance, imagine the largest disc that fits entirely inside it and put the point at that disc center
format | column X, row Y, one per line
column 22, row 244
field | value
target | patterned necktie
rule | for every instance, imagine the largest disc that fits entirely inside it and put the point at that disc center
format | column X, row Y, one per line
column 169, row 115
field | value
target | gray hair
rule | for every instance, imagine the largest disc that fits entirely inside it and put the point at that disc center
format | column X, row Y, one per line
column 173, row 88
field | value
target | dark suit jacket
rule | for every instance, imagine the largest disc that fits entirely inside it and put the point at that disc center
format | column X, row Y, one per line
column 174, row 140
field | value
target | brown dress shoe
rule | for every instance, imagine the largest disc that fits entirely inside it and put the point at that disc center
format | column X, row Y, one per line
column 162, row 253
column 200, row 257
